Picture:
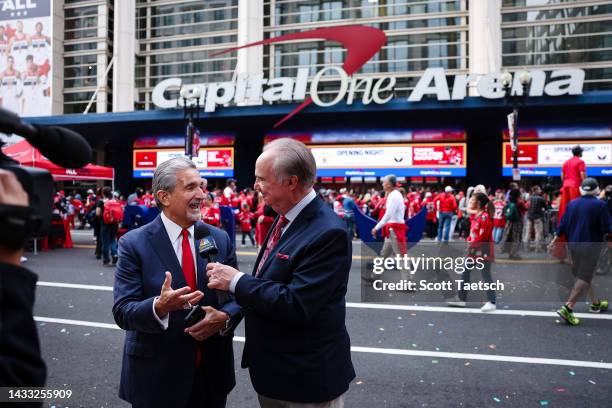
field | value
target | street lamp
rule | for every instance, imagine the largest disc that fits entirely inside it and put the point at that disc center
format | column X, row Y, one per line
column 191, row 110
column 516, row 100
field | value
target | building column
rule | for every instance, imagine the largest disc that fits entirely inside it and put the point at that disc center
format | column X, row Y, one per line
column 250, row 29
column 124, row 52
column 102, row 63
column 57, row 59
column 484, row 39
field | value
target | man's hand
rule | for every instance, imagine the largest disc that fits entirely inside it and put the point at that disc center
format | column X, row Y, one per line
column 211, row 324
column 374, row 232
column 170, row 300
column 220, row 276
column 11, row 192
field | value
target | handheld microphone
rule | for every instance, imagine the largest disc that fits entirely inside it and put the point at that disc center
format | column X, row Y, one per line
column 62, row 146
column 209, row 251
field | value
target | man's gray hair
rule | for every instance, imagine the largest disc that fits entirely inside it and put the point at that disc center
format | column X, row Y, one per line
column 165, row 175
column 391, row 179
column 293, row 158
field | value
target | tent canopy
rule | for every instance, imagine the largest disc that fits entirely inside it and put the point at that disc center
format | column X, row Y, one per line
column 27, row 155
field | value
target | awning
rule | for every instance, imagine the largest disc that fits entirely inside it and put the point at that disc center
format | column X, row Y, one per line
column 26, row 155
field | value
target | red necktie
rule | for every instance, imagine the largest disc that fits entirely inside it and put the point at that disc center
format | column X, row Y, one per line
column 274, row 238
column 190, row 276
column 188, row 265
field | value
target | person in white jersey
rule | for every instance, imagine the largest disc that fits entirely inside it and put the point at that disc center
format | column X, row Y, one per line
column 19, row 47
column 10, row 86
column 40, row 45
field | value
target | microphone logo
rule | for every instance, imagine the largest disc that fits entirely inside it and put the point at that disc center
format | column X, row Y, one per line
column 207, row 245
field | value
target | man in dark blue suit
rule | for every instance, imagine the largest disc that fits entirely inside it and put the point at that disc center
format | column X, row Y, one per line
column 297, row 347
column 164, row 363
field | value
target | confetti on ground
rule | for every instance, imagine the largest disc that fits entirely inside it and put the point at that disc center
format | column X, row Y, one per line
column 430, row 324
column 434, row 361
column 401, row 327
column 87, row 334
column 543, row 403
column 558, row 321
column 359, row 382
column 412, row 314
column 414, row 345
column 589, row 334
column 496, row 399
column 572, row 373
column 592, row 382
column 467, row 364
column 492, row 346
column 440, row 332
column 437, row 348
column 63, row 331
column 399, row 317
column 560, row 389
column 381, row 329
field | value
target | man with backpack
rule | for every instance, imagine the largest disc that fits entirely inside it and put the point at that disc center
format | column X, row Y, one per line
column 111, row 213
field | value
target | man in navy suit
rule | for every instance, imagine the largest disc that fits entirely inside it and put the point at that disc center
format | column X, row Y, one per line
column 297, row 347
column 164, row 363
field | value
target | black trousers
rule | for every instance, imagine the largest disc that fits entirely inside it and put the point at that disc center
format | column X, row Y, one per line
column 204, row 396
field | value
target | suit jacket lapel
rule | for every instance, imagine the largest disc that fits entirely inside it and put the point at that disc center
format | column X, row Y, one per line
column 158, row 236
column 301, row 220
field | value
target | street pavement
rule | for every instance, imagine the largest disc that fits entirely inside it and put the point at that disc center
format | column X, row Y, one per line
column 405, row 355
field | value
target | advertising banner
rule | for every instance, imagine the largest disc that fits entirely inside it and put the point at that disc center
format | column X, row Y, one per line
column 410, row 160
column 25, row 57
column 211, row 162
column 546, row 158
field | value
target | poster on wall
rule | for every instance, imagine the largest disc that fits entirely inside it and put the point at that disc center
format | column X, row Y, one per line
column 25, row 56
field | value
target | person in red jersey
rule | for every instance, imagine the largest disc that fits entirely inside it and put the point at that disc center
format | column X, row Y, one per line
column 244, row 217
column 480, row 249
column 211, row 214
column 430, row 219
column 499, row 219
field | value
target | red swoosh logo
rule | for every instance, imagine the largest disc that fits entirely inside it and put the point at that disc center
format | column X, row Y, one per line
column 361, row 44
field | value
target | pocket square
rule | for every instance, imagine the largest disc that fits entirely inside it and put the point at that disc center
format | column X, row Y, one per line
column 282, row 256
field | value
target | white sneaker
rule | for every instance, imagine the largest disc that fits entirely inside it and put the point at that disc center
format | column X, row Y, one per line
column 488, row 307
column 455, row 302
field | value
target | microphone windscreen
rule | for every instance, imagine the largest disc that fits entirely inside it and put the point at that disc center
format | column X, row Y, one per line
column 200, row 230
column 62, row 146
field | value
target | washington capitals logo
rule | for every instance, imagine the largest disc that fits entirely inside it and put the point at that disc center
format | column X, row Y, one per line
column 361, row 44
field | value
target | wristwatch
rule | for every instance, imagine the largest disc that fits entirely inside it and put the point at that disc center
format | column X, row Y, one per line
column 227, row 327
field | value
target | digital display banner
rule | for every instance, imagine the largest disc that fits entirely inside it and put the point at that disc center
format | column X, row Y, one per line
column 547, row 158
column 412, row 160
column 211, row 162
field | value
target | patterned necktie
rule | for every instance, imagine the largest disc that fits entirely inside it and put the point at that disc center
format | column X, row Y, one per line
column 188, row 265
column 274, row 238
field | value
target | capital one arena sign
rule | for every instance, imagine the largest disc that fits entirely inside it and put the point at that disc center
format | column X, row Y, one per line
column 361, row 44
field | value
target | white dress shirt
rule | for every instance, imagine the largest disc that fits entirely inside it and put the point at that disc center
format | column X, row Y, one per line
column 291, row 215
column 175, row 232
column 394, row 209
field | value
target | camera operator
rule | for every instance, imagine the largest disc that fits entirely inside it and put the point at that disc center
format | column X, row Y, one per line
column 21, row 364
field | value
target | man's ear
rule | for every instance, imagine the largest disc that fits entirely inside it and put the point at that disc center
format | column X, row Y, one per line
column 163, row 197
column 293, row 182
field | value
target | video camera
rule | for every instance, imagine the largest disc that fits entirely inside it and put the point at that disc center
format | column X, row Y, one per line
column 63, row 147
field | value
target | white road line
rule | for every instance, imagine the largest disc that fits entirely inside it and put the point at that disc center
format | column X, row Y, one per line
column 498, row 312
column 75, row 286
column 395, row 352
column 76, row 322
column 438, row 309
